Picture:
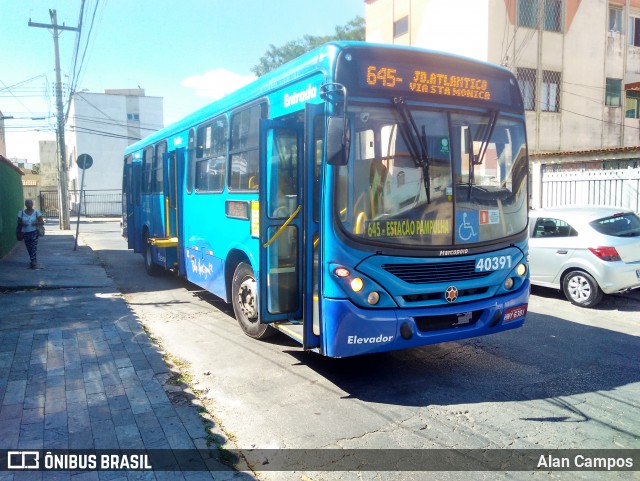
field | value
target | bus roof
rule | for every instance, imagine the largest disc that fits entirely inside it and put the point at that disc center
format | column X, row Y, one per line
column 320, row 59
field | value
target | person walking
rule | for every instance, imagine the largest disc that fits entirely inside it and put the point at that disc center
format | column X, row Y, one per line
column 28, row 220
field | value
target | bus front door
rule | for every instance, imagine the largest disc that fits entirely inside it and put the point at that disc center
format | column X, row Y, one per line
column 282, row 231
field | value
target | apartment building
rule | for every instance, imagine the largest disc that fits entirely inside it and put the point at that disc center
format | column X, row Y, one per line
column 103, row 125
column 578, row 66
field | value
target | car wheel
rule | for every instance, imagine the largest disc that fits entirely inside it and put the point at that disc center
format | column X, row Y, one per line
column 581, row 289
column 244, row 297
column 152, row 268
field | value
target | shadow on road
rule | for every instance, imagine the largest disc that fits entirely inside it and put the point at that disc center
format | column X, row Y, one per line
column 625, row 302
column 549, row 357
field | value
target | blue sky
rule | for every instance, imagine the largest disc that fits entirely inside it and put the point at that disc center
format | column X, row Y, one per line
column 184, row 51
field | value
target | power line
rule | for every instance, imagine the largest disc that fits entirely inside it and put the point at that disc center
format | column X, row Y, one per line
column 95, row 120
column 21, row 82
column 76, row 46
column 76, row 75
column 101, row 133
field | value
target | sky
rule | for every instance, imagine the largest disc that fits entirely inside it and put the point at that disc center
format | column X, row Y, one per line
column 190, row 52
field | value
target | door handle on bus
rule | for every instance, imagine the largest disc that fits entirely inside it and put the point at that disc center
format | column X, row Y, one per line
column 282, row 227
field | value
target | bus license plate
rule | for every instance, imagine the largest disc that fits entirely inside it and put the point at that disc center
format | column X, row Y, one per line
column 515, row 313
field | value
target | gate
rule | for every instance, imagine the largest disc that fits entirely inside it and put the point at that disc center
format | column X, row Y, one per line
column 95, row 203
column 615, row 183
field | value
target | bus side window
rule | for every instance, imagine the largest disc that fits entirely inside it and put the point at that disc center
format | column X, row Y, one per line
column 245, row 140
column 211, row 156
column 147, row 161
column 157, row 174
column 191, row 163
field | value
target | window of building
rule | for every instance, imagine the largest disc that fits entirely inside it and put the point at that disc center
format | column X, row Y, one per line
column 550, row 94
column 632, row 104
column 615, row 19
column 401, row 27
column 527, row 82
column 133, row 117
column 551, row 14
column 634, row 31
column 528, row 13
column 211, row 156
column 613, row 93
column 243, row 152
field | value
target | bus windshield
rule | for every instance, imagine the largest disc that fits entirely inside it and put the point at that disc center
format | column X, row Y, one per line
column 421, row 178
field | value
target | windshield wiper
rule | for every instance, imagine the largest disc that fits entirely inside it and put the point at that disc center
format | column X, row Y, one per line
column 416, row 141
column 484, row 144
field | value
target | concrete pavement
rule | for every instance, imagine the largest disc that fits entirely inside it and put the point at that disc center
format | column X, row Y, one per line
column 78, row 371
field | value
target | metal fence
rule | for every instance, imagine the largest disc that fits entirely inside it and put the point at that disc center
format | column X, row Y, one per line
column 615, row 183
column 95, row 203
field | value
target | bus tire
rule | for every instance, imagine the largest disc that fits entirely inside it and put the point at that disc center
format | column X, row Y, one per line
column 152, row 268
column 244, row 297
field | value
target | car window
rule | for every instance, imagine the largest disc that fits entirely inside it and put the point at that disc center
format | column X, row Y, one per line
column 550, row 227
column 619, row 225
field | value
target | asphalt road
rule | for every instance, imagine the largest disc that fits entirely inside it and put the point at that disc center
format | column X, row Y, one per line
column 570, row 378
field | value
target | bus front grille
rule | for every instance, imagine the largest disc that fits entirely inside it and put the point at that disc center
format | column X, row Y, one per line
column 435, row 272
column 439, row 296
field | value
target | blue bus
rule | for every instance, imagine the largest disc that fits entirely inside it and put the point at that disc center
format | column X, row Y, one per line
column 361, row 198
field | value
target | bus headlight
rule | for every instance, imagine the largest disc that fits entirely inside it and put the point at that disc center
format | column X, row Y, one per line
column 508, row 284
column 373, row 298
column 357, row 284
column 360, row 289
column 342, row 272
column 521, row 270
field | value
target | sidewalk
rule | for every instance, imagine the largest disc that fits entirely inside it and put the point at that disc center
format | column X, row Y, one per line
column 77, row 370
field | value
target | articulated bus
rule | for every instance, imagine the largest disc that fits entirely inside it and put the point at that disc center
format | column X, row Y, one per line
column 362, row 198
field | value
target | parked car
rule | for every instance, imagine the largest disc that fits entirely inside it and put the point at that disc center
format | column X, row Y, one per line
column 585, row 251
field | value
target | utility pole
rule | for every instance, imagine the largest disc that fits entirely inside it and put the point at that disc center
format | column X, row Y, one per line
column 63, row 192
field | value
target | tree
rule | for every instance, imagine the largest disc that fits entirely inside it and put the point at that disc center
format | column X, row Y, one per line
column 276, row 56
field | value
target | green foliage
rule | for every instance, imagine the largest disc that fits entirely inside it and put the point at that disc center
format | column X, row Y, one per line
column 276, row 56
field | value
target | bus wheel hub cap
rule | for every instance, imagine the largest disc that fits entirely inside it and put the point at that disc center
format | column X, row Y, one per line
column 247, row 299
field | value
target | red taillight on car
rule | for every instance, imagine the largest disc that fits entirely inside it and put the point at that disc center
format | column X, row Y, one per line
column 605, row 253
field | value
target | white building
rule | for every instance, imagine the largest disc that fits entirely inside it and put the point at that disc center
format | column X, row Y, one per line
column 578, row 66
column 3, row 140
column 103, row 125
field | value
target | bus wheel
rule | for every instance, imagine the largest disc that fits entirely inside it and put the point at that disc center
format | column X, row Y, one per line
column 244, row 296
column 151, row 268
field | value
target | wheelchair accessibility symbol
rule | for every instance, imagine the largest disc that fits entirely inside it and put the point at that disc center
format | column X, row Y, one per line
column 467, row 226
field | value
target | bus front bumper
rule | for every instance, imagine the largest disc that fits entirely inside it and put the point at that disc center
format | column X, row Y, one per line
column 350, row 330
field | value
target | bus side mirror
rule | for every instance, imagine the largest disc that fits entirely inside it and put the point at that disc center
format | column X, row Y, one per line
column 338, row 140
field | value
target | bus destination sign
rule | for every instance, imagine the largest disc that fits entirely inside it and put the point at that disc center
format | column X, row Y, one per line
column 420, row 81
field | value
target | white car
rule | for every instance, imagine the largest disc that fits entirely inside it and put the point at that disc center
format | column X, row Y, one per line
column 585, row 251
